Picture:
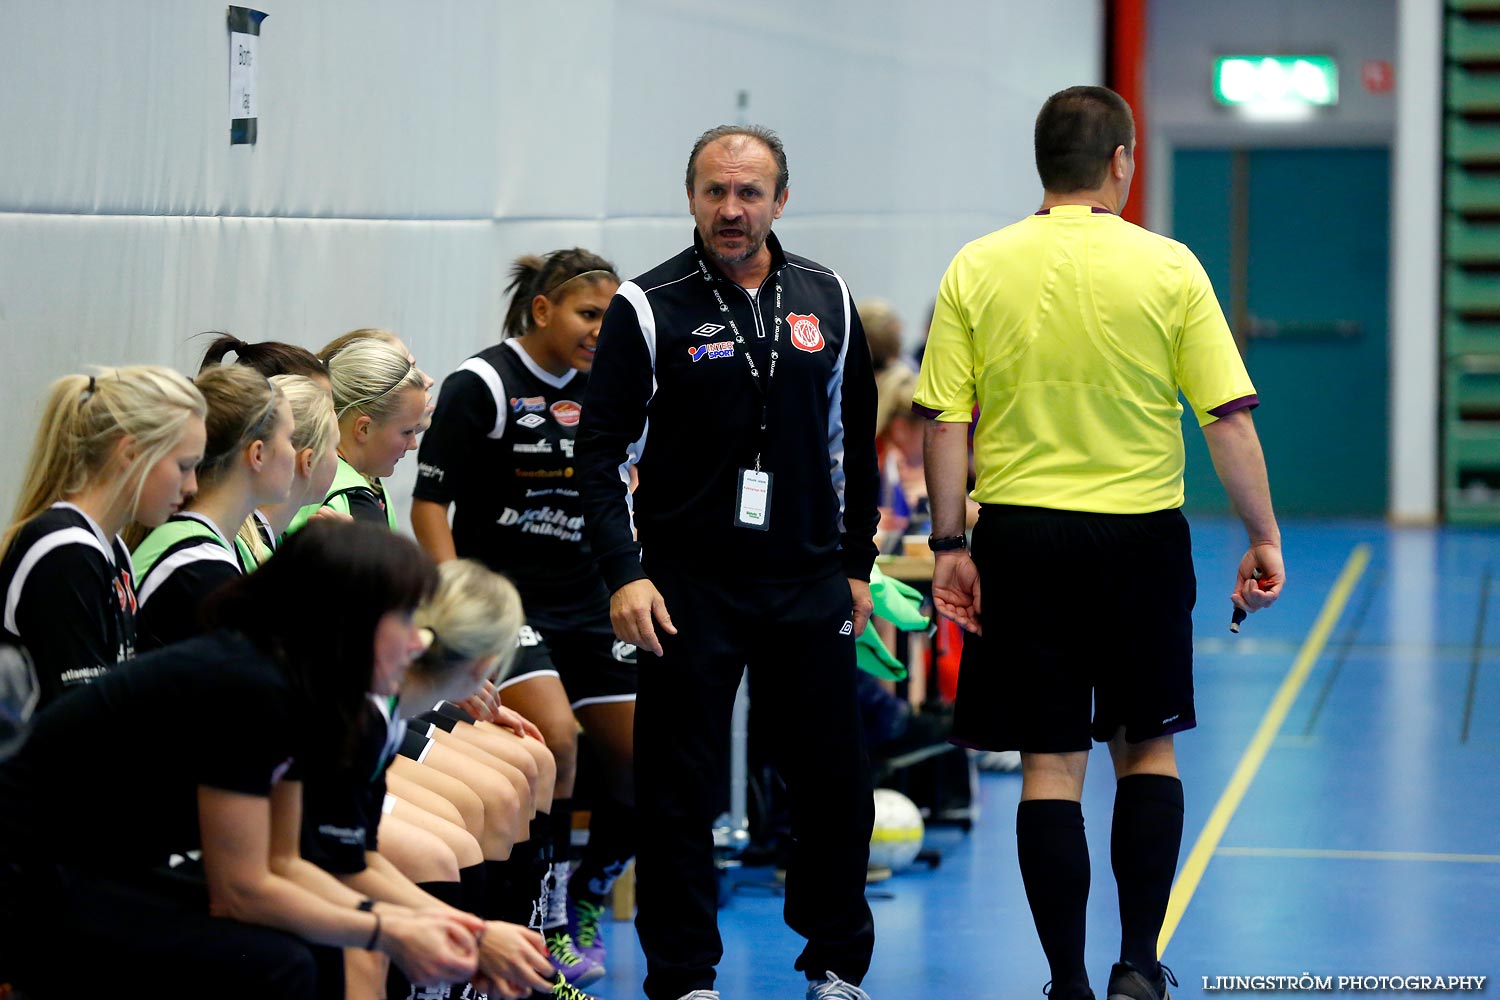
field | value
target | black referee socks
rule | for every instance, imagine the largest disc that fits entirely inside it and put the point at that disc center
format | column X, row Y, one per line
column 1143, row 846
column 1054, row 856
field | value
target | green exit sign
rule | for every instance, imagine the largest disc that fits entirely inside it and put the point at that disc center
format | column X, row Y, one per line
column 1277, row 81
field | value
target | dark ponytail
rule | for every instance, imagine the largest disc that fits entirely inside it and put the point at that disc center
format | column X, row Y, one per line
column 269, row 357
column 224, row 343
column 531, row 276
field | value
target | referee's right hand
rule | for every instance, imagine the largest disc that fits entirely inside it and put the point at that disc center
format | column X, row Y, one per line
column 631, row 610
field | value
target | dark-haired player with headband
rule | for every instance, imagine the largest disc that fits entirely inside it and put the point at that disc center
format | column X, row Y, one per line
column 112, row 449
column 500, row 450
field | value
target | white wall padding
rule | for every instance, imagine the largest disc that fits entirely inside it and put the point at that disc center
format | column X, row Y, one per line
column 408, row 151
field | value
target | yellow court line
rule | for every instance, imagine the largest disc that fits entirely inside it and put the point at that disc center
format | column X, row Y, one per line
column 1260, row 743
column 1308, row 852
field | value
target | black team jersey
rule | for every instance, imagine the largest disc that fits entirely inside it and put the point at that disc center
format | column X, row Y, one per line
column 69, row 598
column 500, row 449
column 212, row 711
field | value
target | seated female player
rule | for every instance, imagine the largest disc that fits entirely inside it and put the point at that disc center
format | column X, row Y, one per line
column 226, row 724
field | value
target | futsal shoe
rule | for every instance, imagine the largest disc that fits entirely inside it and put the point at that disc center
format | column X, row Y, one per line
column 573, row 967
column 1127, row 983
column 700, row 995
column 585, row 926
column 834, row 988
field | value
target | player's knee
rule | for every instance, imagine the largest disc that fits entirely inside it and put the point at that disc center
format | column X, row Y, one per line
column 435, row 862
column 466, row 849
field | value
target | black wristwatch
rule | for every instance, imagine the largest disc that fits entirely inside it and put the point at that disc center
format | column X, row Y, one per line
column 947, row 544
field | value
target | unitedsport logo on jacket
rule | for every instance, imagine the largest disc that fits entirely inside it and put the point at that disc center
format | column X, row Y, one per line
column 722, row 349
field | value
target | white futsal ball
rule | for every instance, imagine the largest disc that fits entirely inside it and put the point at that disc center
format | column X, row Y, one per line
column 897, row 837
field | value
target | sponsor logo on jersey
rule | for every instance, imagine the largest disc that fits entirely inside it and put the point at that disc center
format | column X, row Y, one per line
column 532, row 447
column 347, row 835
column 87, row 674
column 566, row 412
column 805, row 333
column 532, row 421
column 544, row 473
column 528, row 636
column 528, row 404
column 721, row 349
column 426, row 470
column 707, row 330
column 124, row 592
column 848, row 628
column 547, row 521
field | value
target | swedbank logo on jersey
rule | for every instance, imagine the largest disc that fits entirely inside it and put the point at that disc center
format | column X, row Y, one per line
column 547, row 521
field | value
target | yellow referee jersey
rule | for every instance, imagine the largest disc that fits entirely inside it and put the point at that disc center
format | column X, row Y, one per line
column 1072, row 331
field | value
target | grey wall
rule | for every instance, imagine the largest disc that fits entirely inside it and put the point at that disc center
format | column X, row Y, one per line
column 408, row 151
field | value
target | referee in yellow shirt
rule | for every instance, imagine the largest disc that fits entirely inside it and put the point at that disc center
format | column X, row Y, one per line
column 1073, row 332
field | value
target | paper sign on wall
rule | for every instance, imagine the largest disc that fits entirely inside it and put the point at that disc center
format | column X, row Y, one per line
column 244, row 54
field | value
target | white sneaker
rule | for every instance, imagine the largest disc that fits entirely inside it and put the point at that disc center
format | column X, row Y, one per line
column 834, row 988
column 700, row 995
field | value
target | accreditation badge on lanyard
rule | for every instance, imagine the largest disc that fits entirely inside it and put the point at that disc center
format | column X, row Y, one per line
column 752, row 495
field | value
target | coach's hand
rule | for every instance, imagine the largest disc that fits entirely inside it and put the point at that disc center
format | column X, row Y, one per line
column 955, row 589
column 631, row 610
column 863, row 604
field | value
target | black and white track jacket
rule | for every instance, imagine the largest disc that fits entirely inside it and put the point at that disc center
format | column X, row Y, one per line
column 671, row 391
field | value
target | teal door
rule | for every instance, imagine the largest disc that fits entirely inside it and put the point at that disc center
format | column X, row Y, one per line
column 1295, row 241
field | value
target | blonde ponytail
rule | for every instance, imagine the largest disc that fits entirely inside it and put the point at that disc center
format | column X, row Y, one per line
column 476, row 612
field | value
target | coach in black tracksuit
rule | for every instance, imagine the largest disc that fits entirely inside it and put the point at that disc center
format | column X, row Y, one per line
column 734, row 374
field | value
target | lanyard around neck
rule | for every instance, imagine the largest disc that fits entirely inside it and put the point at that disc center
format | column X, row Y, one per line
column 762, row 390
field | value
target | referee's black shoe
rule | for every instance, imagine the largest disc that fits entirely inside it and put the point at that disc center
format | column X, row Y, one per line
column 1126, row 982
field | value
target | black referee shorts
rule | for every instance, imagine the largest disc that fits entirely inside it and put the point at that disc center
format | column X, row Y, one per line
column 1087, row 628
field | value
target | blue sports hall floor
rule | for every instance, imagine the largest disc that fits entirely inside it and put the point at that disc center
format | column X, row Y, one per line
column 1343, row 798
